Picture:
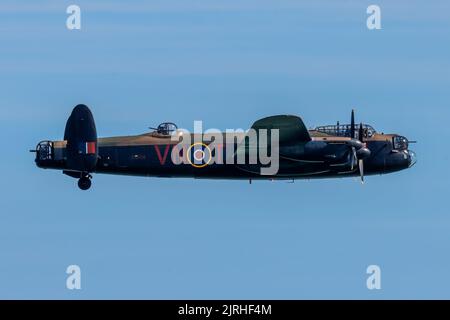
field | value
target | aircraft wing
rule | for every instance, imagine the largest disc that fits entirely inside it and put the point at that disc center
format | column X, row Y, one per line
column 291, row 128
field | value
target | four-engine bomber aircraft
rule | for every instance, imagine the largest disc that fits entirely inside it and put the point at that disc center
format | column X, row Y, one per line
column 324, row 152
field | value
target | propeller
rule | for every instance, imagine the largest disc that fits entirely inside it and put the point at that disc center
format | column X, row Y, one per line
column 361, row 132
column 352, row 125
column 361, row 169
column 361, row 161
column 362, row 151
column 354, row 159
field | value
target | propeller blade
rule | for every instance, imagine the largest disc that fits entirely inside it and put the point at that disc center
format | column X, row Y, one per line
column 354, row 158
column 361, row 170
column 352, row 125
column 361, row 133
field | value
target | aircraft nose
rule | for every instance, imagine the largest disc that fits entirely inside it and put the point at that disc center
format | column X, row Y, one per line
column 412, row 158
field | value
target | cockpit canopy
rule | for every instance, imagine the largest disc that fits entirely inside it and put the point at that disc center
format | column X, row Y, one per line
column 343, row 130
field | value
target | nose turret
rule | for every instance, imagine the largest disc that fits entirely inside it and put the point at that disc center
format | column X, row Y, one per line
column 400, row 157
column 412, row 158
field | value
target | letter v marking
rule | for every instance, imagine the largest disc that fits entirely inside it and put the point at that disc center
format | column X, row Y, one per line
column 162, row 159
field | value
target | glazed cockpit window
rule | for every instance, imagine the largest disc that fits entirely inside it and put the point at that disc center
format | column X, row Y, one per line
column 343, row 130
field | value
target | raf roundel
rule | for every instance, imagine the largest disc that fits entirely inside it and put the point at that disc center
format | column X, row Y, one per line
column 198, row 155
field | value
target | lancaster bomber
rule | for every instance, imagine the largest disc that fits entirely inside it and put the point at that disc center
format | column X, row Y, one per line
column 278, row 147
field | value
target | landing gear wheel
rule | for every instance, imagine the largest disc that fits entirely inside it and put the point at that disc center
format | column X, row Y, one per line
column 84, row 183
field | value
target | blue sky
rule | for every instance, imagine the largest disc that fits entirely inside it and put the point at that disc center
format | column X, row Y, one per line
column 228, row 63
